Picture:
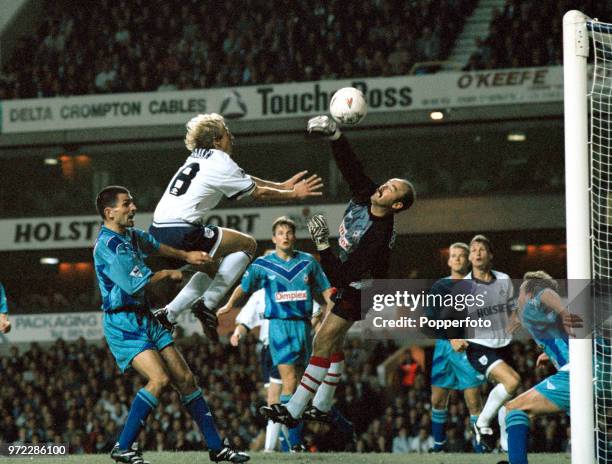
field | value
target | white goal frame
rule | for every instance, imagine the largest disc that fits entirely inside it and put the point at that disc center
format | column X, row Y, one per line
column 578, row 219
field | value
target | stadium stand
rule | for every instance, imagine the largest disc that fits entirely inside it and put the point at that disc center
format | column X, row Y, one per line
column 528, row 33
column 72, row 393
column 146, row 46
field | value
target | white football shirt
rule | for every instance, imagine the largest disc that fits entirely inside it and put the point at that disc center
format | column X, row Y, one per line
column 199, row 185
column 498, row 302
column 252, row 315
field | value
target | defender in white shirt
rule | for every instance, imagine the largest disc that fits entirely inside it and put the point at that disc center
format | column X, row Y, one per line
column 488, row 350
column 208, row 175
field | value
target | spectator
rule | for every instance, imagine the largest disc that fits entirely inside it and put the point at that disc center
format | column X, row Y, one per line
column 423, row 442
column 401, row 443
column 408, row 371
column 174, row 41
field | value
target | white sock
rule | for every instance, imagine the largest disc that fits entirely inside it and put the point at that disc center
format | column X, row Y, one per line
column 496, row 399
column 272, row 432
column 503, row 434
column 324, row 397
column 230, row 269
column 188, row 294
column 312, row 378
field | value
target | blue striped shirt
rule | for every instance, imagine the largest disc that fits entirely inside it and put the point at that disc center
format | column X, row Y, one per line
column 289, row 285
column 120, row 268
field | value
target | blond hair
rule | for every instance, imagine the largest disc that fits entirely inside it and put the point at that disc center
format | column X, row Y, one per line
column 461, row 245
column 535, row 281
column 203, row 130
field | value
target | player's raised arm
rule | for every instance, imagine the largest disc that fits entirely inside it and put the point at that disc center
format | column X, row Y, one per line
column 309, row 187
column 289, row 184
column 351, row 168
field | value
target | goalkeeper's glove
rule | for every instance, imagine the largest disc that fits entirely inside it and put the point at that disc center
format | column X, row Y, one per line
column 323, row 126
column 319, row 231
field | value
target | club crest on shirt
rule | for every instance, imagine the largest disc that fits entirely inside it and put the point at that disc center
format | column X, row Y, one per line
column 306, row 279
column 136, row 272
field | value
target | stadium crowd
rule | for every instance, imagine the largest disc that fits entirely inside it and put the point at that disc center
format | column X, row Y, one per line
column 529, row 33
column 165, row 45
column 138, row 50
column 73, row 393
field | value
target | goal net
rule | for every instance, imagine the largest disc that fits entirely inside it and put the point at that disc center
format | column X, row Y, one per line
column 588, row 165
column 601, row 231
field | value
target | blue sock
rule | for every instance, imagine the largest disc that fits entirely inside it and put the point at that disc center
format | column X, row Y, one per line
column 438, row 427
column 142, row 405
column 197, row 407
column 295, row 433
column 477, row 448
column 517, row 426
column 283, row 441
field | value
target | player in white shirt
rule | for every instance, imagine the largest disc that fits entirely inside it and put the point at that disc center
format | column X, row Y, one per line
column 208, row 175
column 488, row 350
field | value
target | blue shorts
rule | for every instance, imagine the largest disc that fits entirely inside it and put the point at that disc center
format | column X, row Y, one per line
column 556, row 389
column 452, row 370
column 268, row 369
column 290, row 341
column 127, row 336
column 188, row 237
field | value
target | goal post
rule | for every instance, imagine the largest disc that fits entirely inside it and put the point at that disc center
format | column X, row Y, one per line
column 588, row 219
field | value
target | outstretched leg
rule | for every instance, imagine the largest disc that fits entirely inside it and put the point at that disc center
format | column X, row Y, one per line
column 193, row 400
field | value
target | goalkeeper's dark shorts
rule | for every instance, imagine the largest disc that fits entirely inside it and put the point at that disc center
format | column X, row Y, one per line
column 347, row 304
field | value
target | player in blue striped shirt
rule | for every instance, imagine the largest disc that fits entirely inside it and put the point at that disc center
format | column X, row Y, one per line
column 5, row 324
column 133, row 335
column 290, row 278
column 550, row 324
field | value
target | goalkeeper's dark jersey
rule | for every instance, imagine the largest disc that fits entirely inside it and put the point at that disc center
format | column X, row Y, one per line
column 365, row 240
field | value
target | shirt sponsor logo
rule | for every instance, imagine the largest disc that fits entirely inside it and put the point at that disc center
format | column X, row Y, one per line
column 297, row 295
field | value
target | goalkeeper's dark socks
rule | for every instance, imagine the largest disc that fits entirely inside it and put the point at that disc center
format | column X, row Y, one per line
column 141, row 407
column 517, row 425
column 197, row 407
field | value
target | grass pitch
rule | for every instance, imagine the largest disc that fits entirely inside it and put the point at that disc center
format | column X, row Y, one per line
column 308, row 458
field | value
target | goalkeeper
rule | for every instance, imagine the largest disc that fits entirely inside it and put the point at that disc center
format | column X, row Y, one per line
column 366, row 238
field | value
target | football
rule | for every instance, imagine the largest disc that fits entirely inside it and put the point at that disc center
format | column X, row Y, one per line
column 348, row 106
